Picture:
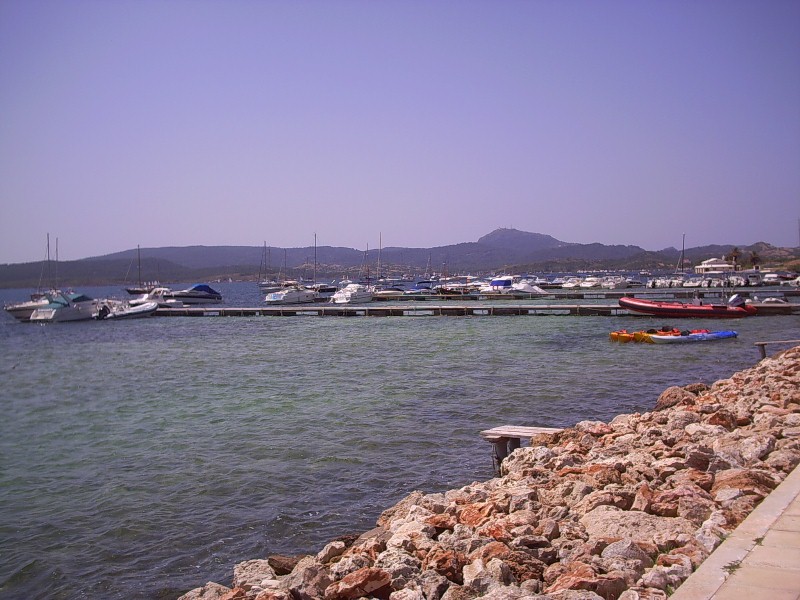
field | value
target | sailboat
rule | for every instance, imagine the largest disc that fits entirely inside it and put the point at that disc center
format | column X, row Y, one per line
column 22, row 311
column 141, row 288
column 325, row 291
column 356, row 293
column 265, row 284
column 293, row 292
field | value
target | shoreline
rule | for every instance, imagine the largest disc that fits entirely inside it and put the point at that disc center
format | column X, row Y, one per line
column 626, row 509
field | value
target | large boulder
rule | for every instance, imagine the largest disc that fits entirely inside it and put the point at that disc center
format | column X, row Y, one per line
column 610, row 522
column 210, row 591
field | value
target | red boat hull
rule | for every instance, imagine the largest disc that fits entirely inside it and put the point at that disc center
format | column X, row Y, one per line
column 679, row 309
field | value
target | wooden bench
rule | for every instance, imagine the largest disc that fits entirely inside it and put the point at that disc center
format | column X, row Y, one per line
column 507, row 438
column 762, row 346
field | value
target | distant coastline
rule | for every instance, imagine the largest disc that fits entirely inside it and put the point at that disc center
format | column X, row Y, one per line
column 502, row 251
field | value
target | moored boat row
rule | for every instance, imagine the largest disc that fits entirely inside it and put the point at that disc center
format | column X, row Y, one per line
column 56, row 306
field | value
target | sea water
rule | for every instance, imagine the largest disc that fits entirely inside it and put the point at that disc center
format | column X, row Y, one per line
column 140, row 459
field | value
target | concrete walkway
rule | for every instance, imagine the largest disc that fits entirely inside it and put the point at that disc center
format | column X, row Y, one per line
column 760, row 559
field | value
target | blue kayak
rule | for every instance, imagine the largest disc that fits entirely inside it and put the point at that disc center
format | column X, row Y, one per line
column 692, row 337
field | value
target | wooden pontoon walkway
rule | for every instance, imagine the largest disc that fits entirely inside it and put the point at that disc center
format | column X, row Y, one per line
column 381, row 309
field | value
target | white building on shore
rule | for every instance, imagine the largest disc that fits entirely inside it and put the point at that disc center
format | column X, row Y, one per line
column 714, row 266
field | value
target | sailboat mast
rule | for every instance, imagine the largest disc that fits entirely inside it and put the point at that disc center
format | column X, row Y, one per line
column 49, row 272
column 56, row 269
column 679, row 267
column 139, row 263
column 315, row 259
column 262, row 264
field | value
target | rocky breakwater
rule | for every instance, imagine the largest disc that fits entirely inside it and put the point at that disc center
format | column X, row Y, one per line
column 621, row 510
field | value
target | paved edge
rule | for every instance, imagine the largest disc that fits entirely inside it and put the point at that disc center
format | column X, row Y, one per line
column 712, row 574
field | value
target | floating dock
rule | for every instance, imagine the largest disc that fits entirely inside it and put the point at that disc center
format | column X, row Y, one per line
column 428, row 309
column 382, row 310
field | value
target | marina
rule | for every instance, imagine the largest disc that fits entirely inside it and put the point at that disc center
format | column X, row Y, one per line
column 262, row 436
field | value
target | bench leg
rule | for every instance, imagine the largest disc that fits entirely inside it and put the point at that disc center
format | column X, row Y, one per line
column 501, row 448
column 499, row 452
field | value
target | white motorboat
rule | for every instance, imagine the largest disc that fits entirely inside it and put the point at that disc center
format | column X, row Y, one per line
column 160, row 295
column 499, row 285
column 116, row 309
column 296, row 294
column 199, row 293
column 325, row 291
column 22, row 310
column 693, row 282
column 66, row 306
column 791, row 282
column 352, row 293
column 590, row 282
column 613, row 282
column 526, row 287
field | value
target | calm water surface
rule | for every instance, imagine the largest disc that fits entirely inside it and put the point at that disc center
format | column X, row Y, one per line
column 141, row 459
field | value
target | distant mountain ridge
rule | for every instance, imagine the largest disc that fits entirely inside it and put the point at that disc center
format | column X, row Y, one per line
column 502, row 250
column 513, row 238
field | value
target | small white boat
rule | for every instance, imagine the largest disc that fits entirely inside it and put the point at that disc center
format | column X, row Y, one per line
column 325, row 291
column 160, row 295
column 613, row 282
column 292, row 295
column 791, row 282
column 66, row 306
column 115, row 309
column 499, row 285
column 352, row 293
column 590, row 282
column 199, row 293
column 526, row 287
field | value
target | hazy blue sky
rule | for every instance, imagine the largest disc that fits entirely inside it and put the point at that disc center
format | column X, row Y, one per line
column 430, row 122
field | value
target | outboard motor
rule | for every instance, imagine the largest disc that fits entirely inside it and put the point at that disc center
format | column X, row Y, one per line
column 736, row 300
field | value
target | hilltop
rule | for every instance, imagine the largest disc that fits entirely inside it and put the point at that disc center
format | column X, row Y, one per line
column 502, row 250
